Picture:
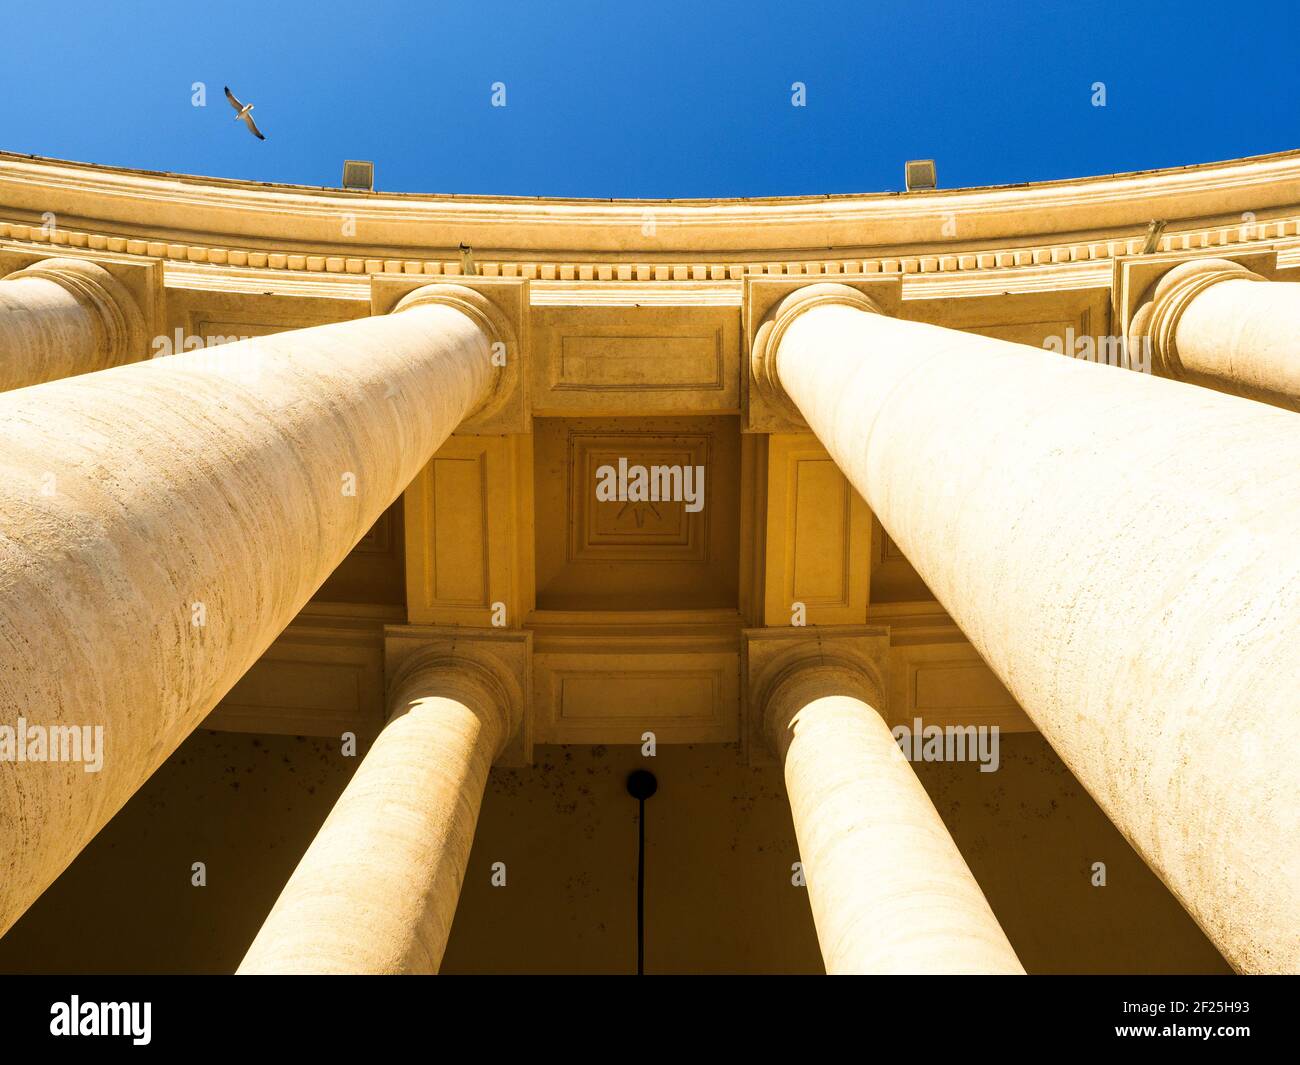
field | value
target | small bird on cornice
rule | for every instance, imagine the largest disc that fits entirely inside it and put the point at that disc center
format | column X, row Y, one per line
column 245, row 112
column 467, row 266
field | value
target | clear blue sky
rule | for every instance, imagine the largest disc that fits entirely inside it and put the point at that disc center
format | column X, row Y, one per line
column 652, row 98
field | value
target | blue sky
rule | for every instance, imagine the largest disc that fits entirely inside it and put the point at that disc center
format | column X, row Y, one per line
column 652, row 99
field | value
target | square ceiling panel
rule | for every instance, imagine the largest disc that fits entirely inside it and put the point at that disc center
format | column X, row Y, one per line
column 637, row 551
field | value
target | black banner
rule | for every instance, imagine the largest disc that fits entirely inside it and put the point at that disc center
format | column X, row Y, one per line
column 1060, row 1014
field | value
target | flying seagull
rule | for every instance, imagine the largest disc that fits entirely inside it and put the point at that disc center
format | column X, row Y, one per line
column 245, row 112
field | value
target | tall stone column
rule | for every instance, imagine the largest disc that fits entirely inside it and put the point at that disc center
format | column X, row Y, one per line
column 62, row 317
column 377, row 889
column 161, row 523
column 890, row 892
column 1213, row 322
column 1123, row 552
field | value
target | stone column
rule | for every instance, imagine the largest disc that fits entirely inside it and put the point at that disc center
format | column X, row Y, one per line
column 62, row 317
column 1123, row 552
column 377, row 889
column 890, row 892
column 1213, row 322
column 161, row 523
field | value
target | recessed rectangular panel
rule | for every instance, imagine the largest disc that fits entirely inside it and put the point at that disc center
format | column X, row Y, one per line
column 821, row 540
column 591, row 694
column 465, row 551
column 818, row 548
column 333, row 689
column 214, row 333
column 949, row 684
column 1035, row 334
column 672, row 695
column 640, row 362
column 958, row 685
column 313, row 681
column 459, row 572
column 636, row 356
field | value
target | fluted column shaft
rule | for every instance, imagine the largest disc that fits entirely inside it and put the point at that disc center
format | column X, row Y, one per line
column 62, row 317
column 890, row 892
column 161, row 523
column 1123, row 552
column 377, row 889
column 1213, row 322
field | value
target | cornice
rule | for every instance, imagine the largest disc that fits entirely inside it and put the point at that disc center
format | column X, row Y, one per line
column 253, row 209
column 1031, row 235
column 971, row 273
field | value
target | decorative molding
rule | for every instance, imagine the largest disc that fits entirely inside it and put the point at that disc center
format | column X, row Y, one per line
column 214, row 219
column 956, row 260
column 1021, row 317
column 636, row 631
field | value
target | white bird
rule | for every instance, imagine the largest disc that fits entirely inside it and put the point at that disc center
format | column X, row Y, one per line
column 244, row 113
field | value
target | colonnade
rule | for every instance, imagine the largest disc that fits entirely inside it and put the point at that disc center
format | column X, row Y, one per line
column 1120, row 548
column 163, row 522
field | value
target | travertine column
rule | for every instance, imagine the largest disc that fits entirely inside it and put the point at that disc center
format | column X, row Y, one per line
column 1213, row 322
column 161, row 523
column 377, row 889
column 1123, row 550
column 62, row 317
column 890, row 892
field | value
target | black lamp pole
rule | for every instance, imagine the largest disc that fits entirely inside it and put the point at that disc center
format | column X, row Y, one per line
column 641, row 784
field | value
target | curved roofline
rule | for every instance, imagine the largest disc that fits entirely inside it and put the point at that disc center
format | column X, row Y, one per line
column 330, row 190
column 226, row 212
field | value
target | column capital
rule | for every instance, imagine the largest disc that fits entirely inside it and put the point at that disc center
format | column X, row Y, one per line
column 489, row 670
column 118, row 318
column 772, row 305
column 499, row 307
column 785, row 669
column 1165, row 301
